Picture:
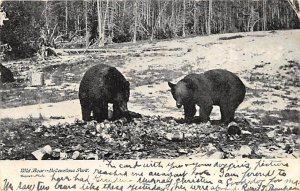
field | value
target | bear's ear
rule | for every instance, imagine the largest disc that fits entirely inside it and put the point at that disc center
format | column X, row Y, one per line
column 127, row 84
column 172, row 86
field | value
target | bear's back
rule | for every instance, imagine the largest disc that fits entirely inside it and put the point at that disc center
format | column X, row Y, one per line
column 6, row 74
column 101, row 78
column 224, row 83
column 223, row 79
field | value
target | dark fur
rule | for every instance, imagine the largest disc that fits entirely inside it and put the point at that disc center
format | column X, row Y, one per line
column 6, row 74
column 101, row 85
column 214, row 87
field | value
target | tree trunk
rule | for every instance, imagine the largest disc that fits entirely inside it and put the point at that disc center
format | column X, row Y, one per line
column 264, row 27
column 295, row 8
column 124, row 8
column 147, row 12
column 104, row 21
column 66, row 17
column 46, row 17
column 183, row 19
column 152, row 26
column 172, row 19
column 209, row 17
column 111, row 24
column 195, row 18
column 86, row 24
column 99, row 12
column 135, row 21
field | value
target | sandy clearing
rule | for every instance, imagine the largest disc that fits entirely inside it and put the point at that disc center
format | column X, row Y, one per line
column 201, row 53
column 68, row 109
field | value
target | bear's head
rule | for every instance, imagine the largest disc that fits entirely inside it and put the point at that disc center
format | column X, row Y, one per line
column 181, row 92
column 122, row 96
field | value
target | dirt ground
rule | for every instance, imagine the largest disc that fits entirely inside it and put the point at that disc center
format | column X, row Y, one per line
column 267, row 62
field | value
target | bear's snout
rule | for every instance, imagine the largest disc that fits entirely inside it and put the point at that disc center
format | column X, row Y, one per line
column 178, row 105
column 123, row 107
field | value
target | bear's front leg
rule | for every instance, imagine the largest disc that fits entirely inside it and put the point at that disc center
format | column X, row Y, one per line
column 205, row 110
column 117, row 111
column 189, row 112
column 100, row 111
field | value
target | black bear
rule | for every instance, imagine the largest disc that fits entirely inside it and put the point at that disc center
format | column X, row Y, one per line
column 214, row 87
column 100, row 85
column 6, row 74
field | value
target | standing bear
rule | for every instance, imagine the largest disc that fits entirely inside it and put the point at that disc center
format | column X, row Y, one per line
column 100, row 85
column 213, row 87
column 6, row 74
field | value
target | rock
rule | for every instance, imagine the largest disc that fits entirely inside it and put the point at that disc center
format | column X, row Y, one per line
column 296, row 130
column 271, row 134
column 47, row 149
column 38, row 130
column 121, row 122
column 288, row 131
column 30, row 88
column 216, row 155
column 79, row 121
column 188, row 135
column 40, row 153
column 138, row 147
column 214, row 135
column 77, row 148
column 244, row 151
column 197, row 155
column 288, row 149
column 183, row 151
column 46, row 134
column 92, row 156
column 107, row 125
column 93, row 133
column 232, row 124
column 106, row 137
column 75, row 155
column 57, row 150
column 234, row 130
column 91, row 123
column 49, row 82
column 246, row 132
column 56, row 153
column 208, row 124
column 63, row 156
column 176, row 136
column 210, row 147
column 169, row 136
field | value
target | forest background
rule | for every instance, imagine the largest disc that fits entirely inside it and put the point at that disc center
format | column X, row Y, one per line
column 27, row 26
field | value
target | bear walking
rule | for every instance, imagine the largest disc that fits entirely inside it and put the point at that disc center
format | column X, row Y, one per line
column 6, row 74
column 100, row 85
column 214, row 87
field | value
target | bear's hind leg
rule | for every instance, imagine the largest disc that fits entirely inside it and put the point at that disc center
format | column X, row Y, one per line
column 86, row 113
column 86, row 110
column 227, row 113
column 189, row 112
column 100, row 111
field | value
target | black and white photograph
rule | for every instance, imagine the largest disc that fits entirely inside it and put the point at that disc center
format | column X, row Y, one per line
column 149, row 79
